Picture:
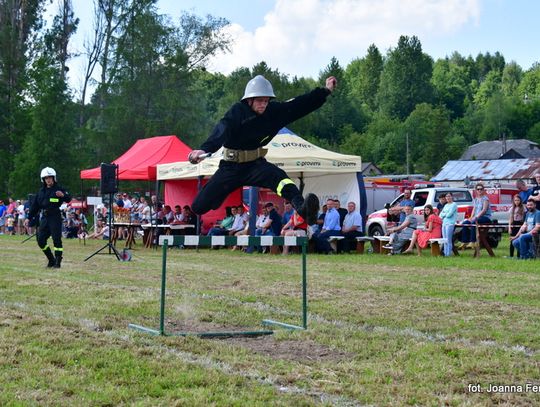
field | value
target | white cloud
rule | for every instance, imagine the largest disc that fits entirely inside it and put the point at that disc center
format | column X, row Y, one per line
column 299, row 37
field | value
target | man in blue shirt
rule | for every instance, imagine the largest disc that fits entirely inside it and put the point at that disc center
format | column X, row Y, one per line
column 3, row 209
column 406, row 201
column 523, row 239
column 524, row 192
column 331, row 227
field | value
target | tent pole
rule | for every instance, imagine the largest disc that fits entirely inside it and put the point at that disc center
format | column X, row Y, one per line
column 253, row 206
column 199, row 187
column 302, row 185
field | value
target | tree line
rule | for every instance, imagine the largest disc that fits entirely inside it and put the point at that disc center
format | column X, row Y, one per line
column 145, row 75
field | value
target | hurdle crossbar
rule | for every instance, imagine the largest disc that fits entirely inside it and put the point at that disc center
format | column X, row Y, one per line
column 174, row 240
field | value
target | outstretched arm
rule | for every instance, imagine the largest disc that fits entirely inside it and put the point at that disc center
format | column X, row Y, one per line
column 301, row 106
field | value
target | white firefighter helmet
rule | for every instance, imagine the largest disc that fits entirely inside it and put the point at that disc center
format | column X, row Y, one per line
column 258, row 87
column 48, row 172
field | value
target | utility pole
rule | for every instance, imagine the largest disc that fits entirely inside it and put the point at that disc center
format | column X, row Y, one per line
column 407, row 153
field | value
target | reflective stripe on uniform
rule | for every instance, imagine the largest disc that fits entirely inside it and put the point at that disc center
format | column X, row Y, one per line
column 282, row 184
column 58, row 249
column 45, row 248
column 54, row 200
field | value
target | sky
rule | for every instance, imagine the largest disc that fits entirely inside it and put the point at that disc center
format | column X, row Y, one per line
column 299, row 37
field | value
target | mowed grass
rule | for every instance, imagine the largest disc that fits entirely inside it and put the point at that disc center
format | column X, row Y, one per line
column 398, row 330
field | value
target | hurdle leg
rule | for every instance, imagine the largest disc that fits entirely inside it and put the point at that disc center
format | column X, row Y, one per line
column 304, row 297
column 162, row 298
column 304, row 285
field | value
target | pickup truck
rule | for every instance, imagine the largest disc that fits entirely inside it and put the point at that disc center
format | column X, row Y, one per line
column 378, row 222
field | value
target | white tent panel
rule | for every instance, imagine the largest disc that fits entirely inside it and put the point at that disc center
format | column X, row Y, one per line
column 296, row 156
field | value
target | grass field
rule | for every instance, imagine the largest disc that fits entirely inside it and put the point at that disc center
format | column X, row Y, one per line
column 381, row 330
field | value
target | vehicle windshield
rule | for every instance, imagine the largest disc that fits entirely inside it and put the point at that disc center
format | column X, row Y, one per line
column 459, row 196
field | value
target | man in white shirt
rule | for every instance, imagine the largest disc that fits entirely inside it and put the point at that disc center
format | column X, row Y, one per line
column 127, row 201
column 352, row 226
column 238, row 223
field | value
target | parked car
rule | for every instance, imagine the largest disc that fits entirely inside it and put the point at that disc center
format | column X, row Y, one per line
column 378, row 222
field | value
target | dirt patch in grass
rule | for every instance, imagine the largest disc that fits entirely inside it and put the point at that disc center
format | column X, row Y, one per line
column 301, row 350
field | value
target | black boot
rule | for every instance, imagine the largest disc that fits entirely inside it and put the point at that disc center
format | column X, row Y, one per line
column 58, row 259
column 309, row 209
column 50, row 257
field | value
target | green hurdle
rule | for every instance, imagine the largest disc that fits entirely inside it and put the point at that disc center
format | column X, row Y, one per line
column 207, row 241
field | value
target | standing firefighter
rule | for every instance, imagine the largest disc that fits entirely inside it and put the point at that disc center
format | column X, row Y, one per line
column 245, row 128
column 48, row 201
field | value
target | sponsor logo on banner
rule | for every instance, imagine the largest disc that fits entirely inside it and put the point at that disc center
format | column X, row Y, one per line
column 343, row 164
column 292, row 145
column 308, row 163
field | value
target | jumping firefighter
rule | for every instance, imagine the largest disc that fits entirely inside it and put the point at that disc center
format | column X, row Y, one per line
column 48, row 201
column 243, row 131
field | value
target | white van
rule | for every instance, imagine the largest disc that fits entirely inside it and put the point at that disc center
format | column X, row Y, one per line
column 378, row 222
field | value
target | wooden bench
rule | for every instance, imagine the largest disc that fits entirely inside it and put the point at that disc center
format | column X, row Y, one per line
column 436, row 245
column 379, row 242
column 333, row 240
column 360, row 243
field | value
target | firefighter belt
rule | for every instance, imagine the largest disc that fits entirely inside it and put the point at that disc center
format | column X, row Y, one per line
column 243, row 156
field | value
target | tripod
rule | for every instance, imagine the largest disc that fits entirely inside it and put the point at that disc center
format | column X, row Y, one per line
column 109, row 245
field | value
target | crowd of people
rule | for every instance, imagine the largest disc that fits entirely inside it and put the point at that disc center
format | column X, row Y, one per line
column 14, row 219
column 440, row 222
column 333, row 220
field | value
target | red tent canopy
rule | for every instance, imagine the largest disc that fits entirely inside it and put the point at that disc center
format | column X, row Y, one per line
column 139, row 162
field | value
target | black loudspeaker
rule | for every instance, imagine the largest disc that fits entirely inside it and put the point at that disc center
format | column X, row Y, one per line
column 109, row 178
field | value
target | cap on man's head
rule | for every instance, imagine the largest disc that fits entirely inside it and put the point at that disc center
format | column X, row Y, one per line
column 269, row 205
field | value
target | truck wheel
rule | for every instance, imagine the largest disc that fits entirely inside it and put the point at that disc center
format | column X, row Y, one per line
column 376, row 230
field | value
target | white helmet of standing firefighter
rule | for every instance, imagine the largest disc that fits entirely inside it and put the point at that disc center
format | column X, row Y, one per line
column 48, row 172
column 258, row 87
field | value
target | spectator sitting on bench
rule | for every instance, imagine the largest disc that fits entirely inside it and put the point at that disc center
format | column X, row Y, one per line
column 433, row 230
column 398, row 209
column 403, row 232
column 352, row 226
column 296, row 226
column 225, row 227
column 329, row 228
column 481, row 215
column 523, row 240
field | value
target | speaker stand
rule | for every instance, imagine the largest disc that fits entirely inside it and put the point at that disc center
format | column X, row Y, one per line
column 112, row 249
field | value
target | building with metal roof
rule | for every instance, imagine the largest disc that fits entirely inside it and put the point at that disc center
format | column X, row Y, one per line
column 497, row 149
column 488, row 170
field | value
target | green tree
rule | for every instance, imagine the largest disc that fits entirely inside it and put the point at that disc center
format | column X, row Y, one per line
column 511, row 78
column 450, row 83
column 428, row 129
column 489, row 87
column 337, row 111
column 363, row 77
column 51, row 139
column 380, row 137
column 406, row 78
column 154, row 86
column 20, row 22
column 529, row 88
